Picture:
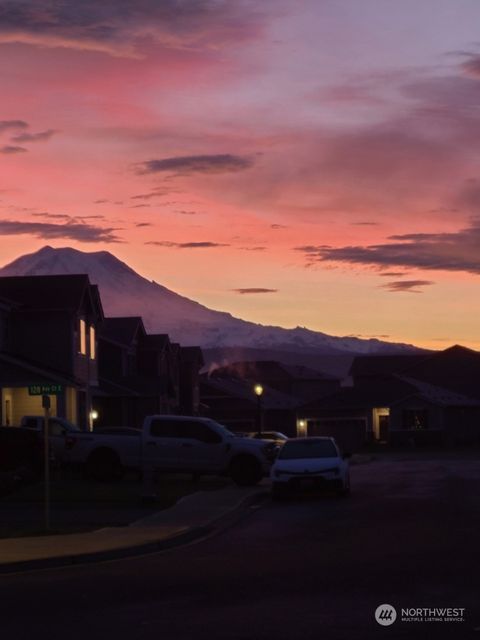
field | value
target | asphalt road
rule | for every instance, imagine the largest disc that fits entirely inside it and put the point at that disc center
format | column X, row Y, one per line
column 307, row 568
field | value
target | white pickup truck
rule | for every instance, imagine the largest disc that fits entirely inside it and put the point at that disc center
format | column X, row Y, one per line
column 181, row 444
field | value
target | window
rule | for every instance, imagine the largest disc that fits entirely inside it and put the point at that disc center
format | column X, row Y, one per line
column 92, row 342
column 191, row 429
column 199, row 431
column 83, row 338
column 415, row 419
column 162, row 428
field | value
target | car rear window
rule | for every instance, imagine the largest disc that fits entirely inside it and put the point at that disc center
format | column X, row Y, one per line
column 299, row 449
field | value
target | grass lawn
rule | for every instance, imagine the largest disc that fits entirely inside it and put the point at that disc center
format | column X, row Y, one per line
column 80, row 505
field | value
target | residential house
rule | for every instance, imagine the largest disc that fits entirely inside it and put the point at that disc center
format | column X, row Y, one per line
column 48, row 336
column 431, row 398
column 191, row 362
column 137, row 375
column 294, row 380
column 232, row 402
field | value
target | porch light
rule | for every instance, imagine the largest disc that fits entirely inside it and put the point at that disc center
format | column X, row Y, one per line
column 258, row 390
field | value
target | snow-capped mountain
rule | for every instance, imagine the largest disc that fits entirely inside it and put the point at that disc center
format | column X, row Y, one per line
column 125, row 293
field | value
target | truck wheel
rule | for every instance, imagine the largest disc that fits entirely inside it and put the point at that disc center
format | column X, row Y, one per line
column 104, row 465
column 245, row 471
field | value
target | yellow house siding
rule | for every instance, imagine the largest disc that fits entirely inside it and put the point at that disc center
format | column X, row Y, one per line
column 22, row 404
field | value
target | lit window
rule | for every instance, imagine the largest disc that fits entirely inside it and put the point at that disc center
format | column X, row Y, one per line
column 83, row 337
column 92, row 342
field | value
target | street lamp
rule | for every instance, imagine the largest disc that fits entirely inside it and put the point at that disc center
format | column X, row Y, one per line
column 92, row 417
column 301, row 428
column 258, row 390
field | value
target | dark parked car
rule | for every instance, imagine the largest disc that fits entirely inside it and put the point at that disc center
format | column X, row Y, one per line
column 20, row 447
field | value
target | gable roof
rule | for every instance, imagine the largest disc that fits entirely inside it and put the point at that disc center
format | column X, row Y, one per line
column 123, row 331
column 49, row 292
column 192, row 355
column 456, row 368
column 157, row 341
column 376, row 394
column 439, row 395
column 269, row 369
column 241, row 389
column 370, row 366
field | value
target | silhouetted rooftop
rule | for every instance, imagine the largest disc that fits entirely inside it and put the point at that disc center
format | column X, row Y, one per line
column 47, row 292
column 363, row 366
column 122, row 330
column 257, row 369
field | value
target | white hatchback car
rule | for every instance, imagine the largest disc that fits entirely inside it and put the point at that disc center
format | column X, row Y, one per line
column 309, row 464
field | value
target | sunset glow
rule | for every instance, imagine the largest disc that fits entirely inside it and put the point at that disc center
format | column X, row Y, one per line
column 293, row 163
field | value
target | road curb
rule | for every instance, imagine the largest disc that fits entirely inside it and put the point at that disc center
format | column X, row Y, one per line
column 223, row 521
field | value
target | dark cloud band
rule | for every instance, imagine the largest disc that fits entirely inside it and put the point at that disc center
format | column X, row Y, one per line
column 254, row 290
column 187, row 245
column 457, row 251
column 12, row 124
column 42, row 136
column 11, row 150
column 407, row 286
column 71, row 230
column 118, row 27
column 205, row 164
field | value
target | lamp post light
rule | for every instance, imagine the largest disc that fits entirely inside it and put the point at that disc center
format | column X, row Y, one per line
column 258, row 390
column 301, row 428
column 92, row 417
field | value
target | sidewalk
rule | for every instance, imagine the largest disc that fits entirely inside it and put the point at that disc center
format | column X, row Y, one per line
column 192, row 517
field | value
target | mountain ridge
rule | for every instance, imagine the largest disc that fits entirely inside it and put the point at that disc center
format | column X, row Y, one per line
column 186, row 321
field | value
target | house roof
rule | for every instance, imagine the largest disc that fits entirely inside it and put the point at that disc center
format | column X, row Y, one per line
column 110, row 388
column 157, row 340
column 377, row 394
column 439, row 395
column 456, row 368
column 144, row 386
column 387, row 392
column 369, row 366
column 192, row 354
column 49, row 292
column 271, row 398
column 269, row 369
column 122, row 330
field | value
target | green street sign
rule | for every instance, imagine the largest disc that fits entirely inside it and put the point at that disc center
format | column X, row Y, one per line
column 45, row 389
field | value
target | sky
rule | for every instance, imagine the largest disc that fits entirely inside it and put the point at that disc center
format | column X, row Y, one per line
column 294, row 162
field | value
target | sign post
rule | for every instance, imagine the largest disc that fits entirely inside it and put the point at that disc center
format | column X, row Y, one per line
column 46, row 390
column 46, row 459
